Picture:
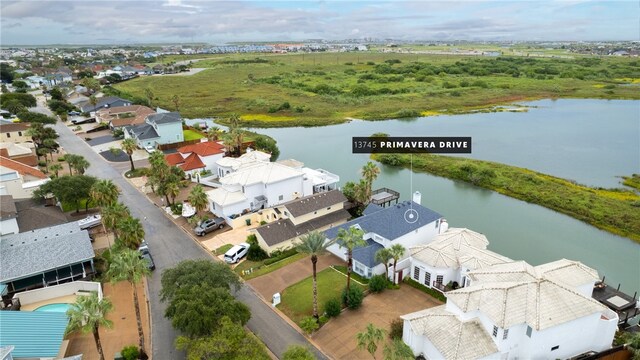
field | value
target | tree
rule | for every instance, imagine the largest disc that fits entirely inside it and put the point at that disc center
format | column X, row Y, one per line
column 91, row 83
column 172, row 189
column 229, row 342
column 198, row 198
column 369, row 173
column 213, row 133
column 104, row 193
column 148, row 93
column 87, row 315
column 176, row 101
column 314, row 244
column 129, row 146
column 197, row 272
column 27, row 100
column 126, row 265
column 234, row 137
column 93, row 101
column 397, row 350
column 130, row 232
column 55, row 168
column 34, row 117
column 298, row 352
column 111, row 215
column 196, row 310
column 370, row 338
column 77, row 162
column 396, row 251
column 350, row 239
column 69, row 189
column 383, row 255
column 49, row 146
column 56, row 94
column 15, row 107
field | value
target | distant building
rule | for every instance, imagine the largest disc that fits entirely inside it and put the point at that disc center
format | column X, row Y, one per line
column 103, row 102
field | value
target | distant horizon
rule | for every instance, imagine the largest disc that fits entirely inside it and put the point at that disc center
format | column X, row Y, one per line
column 79, row 23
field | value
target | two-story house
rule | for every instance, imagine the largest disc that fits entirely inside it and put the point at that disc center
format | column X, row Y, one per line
column 14, row 133
column 18, row 179
column 515, row 310
column 407, row 223
column 158, row 129
column 298, row 217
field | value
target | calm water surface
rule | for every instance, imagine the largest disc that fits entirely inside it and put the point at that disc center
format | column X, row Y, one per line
column 590, row 141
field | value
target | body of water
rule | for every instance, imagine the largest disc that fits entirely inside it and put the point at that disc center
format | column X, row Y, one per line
column 589, row 141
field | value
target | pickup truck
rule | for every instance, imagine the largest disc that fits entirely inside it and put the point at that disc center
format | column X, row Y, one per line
column 208, row 226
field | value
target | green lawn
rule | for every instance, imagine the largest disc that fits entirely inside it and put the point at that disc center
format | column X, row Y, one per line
column 191, row 135
column 222, row 249
column 271, row 90
column 66, row 207
column 297, row 299
column 260, row 269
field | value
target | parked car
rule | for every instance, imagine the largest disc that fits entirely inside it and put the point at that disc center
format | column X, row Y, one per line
column 74, row 113
column 209, row 225
column 236, row 253
column 145, row 254
column 150, row 149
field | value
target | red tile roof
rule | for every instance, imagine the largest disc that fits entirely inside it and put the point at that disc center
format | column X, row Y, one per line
column 21, row 168
column 203, row 148
column 192, row 162
column 174, row 159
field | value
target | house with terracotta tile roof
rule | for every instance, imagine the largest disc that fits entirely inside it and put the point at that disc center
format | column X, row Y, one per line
column 124, row 115
column 19, row 180
column 197, row 157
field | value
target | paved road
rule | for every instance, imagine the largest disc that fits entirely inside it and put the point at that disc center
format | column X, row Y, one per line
column 170, row 245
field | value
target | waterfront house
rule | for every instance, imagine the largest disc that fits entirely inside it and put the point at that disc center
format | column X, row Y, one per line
column 384, row 227
column 158, row 129
column 195, row 158
column 298, row 217
column 514, row 310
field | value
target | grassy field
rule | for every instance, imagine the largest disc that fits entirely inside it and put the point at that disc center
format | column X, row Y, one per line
column 615, row 210
column 259, row 268
column 632, row 181
column 275, row 90
column 297, row 299
column 191, row 135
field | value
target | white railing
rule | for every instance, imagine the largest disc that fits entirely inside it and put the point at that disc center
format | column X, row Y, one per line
column 52, row 292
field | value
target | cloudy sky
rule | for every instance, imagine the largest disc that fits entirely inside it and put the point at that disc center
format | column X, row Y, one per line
column 117, row 22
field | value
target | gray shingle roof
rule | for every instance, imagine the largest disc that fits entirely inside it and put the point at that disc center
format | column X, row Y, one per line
column 283, row 230
column 314, row 202
column 366, row 255
column 164, row 118
column 36, row 251
column 104, row 101
column 389, row 222
column 143, row 131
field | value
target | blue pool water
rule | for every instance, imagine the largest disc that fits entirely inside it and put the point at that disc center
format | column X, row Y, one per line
column 54, row 308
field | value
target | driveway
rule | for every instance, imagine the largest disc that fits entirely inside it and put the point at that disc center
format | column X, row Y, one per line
column 170, row 245
column 277, row 281
column 337, row 338
column 101, row 140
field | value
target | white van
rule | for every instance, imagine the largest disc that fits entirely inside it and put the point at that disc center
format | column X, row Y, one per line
column 236, row 253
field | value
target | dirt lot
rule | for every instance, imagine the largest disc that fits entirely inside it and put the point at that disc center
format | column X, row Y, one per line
column 124, row 331
column 337, row 338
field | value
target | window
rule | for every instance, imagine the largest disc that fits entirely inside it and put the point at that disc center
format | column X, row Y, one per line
column 286, row 213
column 495, row 331
column 427, row 278
column 329, row 208
column 19, row 133
column 416, row 273
column 529, row 330
column 8, row 135
column 505, row 334
column 436, row 224
column 440, row 279
column 555, row 348
column 280, row 197
column 315, row 213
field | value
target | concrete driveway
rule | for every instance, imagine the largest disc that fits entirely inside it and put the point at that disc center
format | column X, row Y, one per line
column 337, row 338
column 277, row 281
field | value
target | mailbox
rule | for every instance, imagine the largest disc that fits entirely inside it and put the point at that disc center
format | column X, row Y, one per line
column 276, row 299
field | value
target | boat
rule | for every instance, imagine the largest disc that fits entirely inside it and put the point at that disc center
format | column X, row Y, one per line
column 90, row 221
column 188, row 210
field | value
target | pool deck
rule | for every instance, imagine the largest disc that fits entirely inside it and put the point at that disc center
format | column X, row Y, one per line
column 69, row 299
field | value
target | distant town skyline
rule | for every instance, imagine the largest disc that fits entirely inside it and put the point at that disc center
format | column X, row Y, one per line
column 217, row 22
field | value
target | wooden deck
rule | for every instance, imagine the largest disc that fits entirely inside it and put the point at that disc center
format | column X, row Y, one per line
column 616, row 300
column 384, row 197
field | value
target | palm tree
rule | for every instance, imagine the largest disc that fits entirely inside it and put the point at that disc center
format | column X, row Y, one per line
column 50, row 145
column 314, row 244
column 104, row 192
column 383, row 255
column 81, row 164
column 130, row 232
column 370, row 172
column 129, row 146
column 70, row 159
column 213, row 133
column 398, row 350
column 176, row 101
column 87, row 315
column 173, row 190
column 362, row 192
column 350, row 239
column 126, row 265
column 198, row 198
column 111, row 215
column 370, row 338
column 55, row 168
column 396, row 251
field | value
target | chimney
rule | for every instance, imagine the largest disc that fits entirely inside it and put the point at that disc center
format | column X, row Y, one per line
column 417, row 197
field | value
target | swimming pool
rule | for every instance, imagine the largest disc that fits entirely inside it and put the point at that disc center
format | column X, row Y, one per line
column 54, row 308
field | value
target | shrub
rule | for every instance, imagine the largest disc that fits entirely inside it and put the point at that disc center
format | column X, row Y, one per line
column 353, row 297
column 130, row 352
column 263, row 222
column 405, row 113
column 333, row 307
column 42, row 163
column 377, row 283
column 176, row 208
column 434, row 293
column 348, row 63
column 309, row 324
column 370, row 63
column 395, row 331
column 323, row 320
column 255, row 253
column 280, row 255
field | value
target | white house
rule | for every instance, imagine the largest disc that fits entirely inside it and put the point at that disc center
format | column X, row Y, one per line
column 407, row 223
column 19, row 180
column 158, row 129
column 450, row 256
column 195, row 158
column 229, row 165
column 514, row 310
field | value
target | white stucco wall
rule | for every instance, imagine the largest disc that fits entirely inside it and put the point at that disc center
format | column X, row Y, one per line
column 170, row 133
column 285, row 188
column 9, row 226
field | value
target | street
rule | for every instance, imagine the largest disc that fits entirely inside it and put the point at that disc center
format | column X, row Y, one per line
column 169, row 246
